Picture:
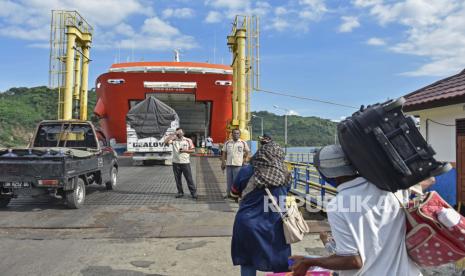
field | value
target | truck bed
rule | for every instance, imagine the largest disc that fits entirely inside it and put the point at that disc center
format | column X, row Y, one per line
column 30, row 165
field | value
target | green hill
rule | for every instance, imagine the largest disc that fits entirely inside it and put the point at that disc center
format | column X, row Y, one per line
column 22, row 108
column 301, row 131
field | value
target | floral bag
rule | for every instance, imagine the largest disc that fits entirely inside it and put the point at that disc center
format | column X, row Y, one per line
column 430, row 242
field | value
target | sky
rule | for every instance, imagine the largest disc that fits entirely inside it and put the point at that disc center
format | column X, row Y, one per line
column 351, row 52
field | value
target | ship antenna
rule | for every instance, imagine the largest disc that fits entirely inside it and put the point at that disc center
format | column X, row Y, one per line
column 176, row 55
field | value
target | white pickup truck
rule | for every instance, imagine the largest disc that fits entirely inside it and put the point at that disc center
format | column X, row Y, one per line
column 148, row 124
column 151, row 148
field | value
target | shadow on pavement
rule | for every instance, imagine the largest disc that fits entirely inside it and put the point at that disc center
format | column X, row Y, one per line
column 108, row 271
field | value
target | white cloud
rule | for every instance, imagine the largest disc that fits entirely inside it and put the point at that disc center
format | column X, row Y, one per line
column 8, row 8
column 39, row 45
column 292, row 112
column 124, row 29
column 440, row 67
column 280, row 11
column 213, row 17
column 261, row 8
column 156, row 26
column 158, row 43
column 280, row 24
column 37, row 34
column 413, row 12
column 295, row 16
column 308, row 14
column 305, row 13
column 366, row 3
column 178, row 13
column 375, row 41
column 228, row 4
column 228, row 9
column 348, row 24
column 101, row 13
column 156, row 34
column 434, row 30
column 30, row 20
column 312, row 9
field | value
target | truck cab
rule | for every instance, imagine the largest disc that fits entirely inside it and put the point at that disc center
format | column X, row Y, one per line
column 61, row 160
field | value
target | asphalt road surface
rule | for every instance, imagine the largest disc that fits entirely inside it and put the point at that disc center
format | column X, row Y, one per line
column 137, row 229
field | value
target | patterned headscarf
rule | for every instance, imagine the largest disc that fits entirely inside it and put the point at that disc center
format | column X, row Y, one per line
column 269, row 168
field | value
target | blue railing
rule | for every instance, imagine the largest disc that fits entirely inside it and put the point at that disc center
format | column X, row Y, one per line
column 307, row 183
column 300, row 157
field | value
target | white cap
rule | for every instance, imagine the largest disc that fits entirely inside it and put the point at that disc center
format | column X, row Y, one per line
column 331, row 162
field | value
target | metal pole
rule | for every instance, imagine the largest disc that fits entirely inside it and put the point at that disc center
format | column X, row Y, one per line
column 77, row 84
column 242, row 84
column 251, row 132
column 285, row 133
column 335, row 136
column 68, row 97
column 235, row 104
column 85, row 81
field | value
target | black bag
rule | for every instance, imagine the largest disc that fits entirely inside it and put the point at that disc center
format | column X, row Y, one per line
column 151, row 118
column 386, row 147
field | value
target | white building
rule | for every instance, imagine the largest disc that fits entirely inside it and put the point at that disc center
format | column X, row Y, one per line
column 441, row 109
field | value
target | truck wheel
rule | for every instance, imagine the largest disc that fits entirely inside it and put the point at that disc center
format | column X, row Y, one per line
column 76, row 197
column 4, row 202
column 111, row 185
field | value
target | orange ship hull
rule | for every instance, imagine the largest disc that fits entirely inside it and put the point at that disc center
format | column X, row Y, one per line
column 201, row 94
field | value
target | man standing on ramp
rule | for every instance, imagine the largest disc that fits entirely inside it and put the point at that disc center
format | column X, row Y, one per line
column 182, row 148
column 235, row 154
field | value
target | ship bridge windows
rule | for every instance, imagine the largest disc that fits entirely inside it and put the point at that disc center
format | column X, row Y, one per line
column 115, row 81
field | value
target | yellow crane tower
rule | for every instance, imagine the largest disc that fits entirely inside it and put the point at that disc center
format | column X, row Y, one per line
column 243, row 43
column 70, row 40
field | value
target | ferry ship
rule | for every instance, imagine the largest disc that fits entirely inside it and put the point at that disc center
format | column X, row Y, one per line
column 200, row 93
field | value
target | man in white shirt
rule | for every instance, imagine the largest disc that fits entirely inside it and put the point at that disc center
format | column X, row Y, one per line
column 209, row 144
column 367, row 224
column 182, row 148
column 235, row 153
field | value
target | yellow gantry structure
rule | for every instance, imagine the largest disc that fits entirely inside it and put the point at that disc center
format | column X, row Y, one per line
column 243, row 43
column 70, row 41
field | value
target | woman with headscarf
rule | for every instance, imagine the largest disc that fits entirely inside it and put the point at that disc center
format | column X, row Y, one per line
column 258, row 241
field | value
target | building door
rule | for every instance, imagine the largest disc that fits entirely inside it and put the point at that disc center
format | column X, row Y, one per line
column 460, row 138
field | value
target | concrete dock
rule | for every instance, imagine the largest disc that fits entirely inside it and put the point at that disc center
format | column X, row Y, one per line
column 137, row 229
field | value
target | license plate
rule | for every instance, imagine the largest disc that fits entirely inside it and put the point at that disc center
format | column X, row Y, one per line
column 16, row 185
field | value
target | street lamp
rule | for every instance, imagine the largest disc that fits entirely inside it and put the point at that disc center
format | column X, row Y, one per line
column 285, row 125
column 261, row 118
